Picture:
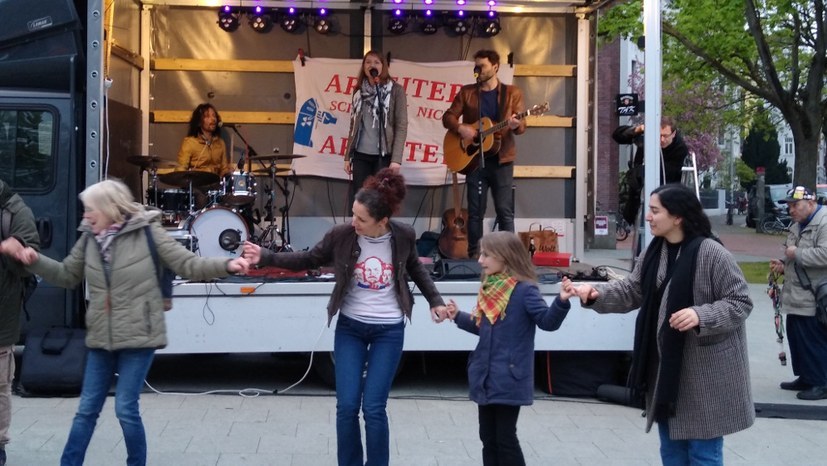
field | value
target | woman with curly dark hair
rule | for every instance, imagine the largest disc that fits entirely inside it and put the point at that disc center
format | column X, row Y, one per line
column 373, row 258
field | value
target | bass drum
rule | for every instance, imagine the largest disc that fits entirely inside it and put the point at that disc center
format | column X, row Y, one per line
column 219, row 232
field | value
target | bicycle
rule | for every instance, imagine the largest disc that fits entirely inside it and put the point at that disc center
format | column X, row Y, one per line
column 622, row 229
column 776, row 224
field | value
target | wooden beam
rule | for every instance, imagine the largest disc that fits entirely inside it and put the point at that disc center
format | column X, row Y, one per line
column 135, row 59
column 194, row 64
column 540, row 171
column 250, row 118
column 550, row 121
column 286, row 66
column 563, row 71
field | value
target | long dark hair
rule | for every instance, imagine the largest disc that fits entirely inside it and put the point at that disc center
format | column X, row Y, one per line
column 382, row 194
column 681, row 201
column 198, row 116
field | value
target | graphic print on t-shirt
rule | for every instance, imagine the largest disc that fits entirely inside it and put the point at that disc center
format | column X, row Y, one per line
column 373, row 274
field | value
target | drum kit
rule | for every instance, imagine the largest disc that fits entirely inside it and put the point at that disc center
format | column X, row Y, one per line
column 220, row 228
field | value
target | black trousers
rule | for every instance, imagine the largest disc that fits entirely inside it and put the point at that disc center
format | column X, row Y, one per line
column 363, row 166
column 499, row 178
column 808, row 348
column 498, row 432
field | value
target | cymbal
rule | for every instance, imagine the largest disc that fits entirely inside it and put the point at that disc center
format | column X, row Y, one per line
column 277, row 157
column 183, row 178
column 266, row 172
column 149, row 161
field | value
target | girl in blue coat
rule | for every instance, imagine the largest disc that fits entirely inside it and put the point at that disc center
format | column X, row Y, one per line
column 501, row 368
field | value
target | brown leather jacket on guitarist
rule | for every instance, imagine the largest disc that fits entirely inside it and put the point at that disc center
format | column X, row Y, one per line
column 466, row 105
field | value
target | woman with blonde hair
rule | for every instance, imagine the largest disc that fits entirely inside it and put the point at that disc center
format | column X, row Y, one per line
column 125, row 313
column 501, row 368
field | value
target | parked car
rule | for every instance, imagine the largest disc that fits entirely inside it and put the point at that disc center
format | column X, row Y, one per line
column 772, row 194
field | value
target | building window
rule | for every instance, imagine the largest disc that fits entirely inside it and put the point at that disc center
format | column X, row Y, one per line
column 788, row 145
column 27, row 149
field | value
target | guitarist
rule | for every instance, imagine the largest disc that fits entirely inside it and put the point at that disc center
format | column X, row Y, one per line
column 490, row 98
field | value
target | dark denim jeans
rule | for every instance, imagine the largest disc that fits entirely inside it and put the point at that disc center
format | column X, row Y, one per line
column 367, row 356
column 363, row 166
column 700, row 452
column 499, row 178
column 131, row 365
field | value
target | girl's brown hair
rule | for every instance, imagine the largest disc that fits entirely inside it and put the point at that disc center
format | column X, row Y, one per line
column 507, row 247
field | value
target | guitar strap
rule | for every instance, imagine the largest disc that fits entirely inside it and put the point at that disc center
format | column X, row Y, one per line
column 501, row 109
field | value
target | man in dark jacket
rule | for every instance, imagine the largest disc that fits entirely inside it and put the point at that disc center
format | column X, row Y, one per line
column 673, row 153
column 498, row 102
column 18, row 230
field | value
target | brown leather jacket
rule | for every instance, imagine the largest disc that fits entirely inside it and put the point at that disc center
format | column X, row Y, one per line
column 466, row 105
column 340, row 248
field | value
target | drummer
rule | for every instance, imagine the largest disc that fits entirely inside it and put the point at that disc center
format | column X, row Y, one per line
column 203, row 149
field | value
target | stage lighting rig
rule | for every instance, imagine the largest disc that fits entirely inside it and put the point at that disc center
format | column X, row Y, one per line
column 430, row 23
column 228, row 19
column 260, row 20
column 290, row 20
column 398, row 22
column 322, row 23
column 490, row 25
column 460, row 24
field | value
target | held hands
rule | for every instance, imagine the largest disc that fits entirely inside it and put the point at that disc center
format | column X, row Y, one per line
column 10, row 246
column 585, row 292
column 252, row 253
column 238, row 265
column 440, row 313
column 27, row 256
column 567, row 289
column 684, row 319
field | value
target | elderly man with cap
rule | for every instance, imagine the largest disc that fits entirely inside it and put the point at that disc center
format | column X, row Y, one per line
column 805, row 251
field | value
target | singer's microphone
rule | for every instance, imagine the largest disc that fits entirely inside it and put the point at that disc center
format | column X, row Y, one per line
column 374, row 73
column 221, row 124
column 477, row 70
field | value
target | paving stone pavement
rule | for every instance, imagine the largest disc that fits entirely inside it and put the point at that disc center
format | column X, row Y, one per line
column 430, row 424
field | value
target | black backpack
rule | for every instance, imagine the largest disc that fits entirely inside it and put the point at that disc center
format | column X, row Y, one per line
column 165, row 275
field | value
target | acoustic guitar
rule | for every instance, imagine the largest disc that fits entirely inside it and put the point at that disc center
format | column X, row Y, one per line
column 453, row 241
column 461, row 154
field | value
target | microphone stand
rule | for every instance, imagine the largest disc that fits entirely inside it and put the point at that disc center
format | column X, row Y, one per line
column 381, row 114
column 249, row 152
column 479, row 123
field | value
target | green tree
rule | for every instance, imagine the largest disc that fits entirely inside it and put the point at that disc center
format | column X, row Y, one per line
column 773, row 50
column 761, row 149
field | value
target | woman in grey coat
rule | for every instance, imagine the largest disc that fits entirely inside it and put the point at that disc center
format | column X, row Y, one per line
column 125, row 313
column 690, row 355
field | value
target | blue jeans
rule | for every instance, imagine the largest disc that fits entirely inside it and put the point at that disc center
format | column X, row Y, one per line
column 367, row 356
column 709, row 452
column 131, row 365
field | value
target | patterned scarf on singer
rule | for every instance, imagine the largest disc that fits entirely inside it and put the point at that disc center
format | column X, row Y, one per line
column 366, row 100
column 493, row 297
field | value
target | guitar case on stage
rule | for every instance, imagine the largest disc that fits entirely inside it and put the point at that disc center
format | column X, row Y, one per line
column 53, row 362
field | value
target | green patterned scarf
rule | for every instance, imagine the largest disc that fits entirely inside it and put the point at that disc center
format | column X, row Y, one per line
column 493, row 297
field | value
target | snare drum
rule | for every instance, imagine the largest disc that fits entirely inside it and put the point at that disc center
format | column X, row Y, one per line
column 239, row 188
